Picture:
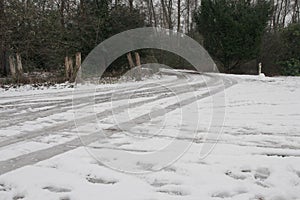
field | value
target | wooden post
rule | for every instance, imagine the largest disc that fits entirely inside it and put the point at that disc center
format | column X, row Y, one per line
column 78, row 68
column 130, row 60
column 12, row 66
column 67, row 70
column 137, row 59
column 138, row 63
column 78, row 60
column 19, row 65
column 71, row 69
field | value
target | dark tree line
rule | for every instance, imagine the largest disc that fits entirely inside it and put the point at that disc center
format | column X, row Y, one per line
column 46, row 31
column 234, row 32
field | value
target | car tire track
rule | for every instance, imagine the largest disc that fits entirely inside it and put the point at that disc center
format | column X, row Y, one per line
column 37, row 156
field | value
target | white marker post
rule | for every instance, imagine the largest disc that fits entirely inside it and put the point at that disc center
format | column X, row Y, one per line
column 259, row 68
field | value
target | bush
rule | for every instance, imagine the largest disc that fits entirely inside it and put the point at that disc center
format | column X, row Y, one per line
column 291, row 39
column 290, row 67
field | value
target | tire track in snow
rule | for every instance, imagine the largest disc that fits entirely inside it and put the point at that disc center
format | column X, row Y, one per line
column 58, row 104
column 45, row 131
column 65, row 105
column 37, row 156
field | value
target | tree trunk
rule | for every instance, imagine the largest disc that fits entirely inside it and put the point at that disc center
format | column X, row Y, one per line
column 165, row 12
column 188, row 16
column 286, row 7
column 19, row 65
column 154, row 14
column 278, row 24
column 12, row 66
column 3, row 62
column 78, row 61
column 130, row 5
column 130, row 60
column 71, row 69
column 2, row 40
column 78, row 73
column 150, row 13
column 295, row 14
column 196, row 5
column 178, row 15
column 62, row 9
column 297, row 11
column 67, row 70
column 1, row 9
column 82, row 8
column 170, row 6
column 191, row 25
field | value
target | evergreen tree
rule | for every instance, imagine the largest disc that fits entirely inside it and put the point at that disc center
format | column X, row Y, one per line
column 232, row 29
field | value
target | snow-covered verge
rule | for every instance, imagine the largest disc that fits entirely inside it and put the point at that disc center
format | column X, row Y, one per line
column 257, row 157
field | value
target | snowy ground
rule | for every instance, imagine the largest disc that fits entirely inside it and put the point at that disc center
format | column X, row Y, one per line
column 256, row 157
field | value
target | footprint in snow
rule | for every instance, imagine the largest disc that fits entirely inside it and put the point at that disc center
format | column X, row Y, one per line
column 174, row 192
column 173, row 188
column 18, row 197
column 246, row 170
column 236, row 175
column 258, row 197
column 226, row 194
column 222, row 195
column 170, row 169
column 64, row 198
column 145, row 166
column 56, row 189
column 160, row 183
column 97, row 180
column 298, row 173
column 262, row 173
column 4, row 188
column 262, row 184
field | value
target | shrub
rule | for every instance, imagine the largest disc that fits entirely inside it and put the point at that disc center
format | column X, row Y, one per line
column 290, row 67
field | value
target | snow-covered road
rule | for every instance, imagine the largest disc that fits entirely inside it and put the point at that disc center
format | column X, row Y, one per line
column 257, row 156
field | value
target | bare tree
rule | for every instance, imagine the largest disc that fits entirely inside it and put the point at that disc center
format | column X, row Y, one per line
column 296, row 12
column 81, row 8
column 286, row 11
column 164, row 12
column 2, row 39
column 188, row 16
column 282, row 11
column 178, row 15
column 149, row 10
column 170, row 8
column 278, row 7
column 167, row 13
column 153, row 12
column 130, row 5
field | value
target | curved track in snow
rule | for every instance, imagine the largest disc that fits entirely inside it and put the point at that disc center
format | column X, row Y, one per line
column 27, row 121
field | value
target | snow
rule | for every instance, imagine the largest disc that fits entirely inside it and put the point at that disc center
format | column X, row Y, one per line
column 257, row 156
